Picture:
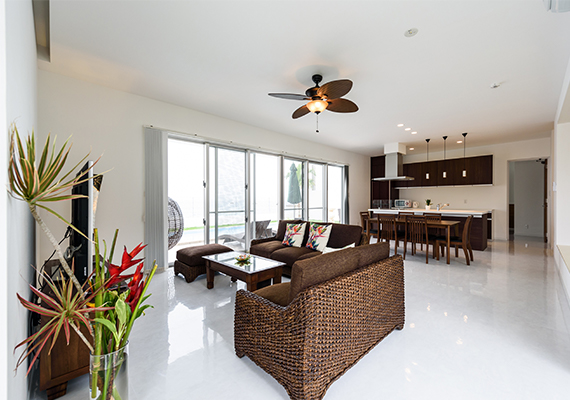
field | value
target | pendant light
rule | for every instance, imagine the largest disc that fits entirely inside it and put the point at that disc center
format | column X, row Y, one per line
column 427, row 156
column 464, row 168
column 444, row 147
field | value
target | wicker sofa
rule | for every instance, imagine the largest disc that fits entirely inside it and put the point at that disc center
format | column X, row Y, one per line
column 341, row 235
column 308, row 332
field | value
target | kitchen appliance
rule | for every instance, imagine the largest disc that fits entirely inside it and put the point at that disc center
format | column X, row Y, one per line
column 401, row 203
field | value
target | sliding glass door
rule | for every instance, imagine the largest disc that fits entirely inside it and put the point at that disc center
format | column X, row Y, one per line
column 186, row 189
column 240, row 195
column 293, row 189
column 264, row 194
column 317, row 190
column 227, row 187
column 336, row 194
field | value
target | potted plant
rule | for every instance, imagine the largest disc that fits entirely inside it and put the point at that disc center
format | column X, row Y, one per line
column 107, row 304
column 428, row 204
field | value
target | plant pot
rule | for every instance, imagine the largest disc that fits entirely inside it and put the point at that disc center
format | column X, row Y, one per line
column 109, row 375
column 428, row 208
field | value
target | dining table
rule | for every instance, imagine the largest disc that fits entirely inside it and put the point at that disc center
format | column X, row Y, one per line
column 444, row 224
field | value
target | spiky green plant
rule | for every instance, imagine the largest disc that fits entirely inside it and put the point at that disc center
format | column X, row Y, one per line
column 66, row 309
column 39, row 184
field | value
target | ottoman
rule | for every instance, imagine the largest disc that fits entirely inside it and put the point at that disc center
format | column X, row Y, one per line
column 189, row 261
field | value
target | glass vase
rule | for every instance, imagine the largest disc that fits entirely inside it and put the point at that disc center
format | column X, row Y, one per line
column 109, row 375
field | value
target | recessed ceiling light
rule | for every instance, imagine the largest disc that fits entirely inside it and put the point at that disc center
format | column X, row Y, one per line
column 413, row 133
column 460, row 141
column 400, row 125
column 495, row 85
column 408, row 129
column 411, row 32
column 411, row 148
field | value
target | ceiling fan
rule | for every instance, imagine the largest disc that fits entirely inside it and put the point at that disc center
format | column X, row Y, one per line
column 326, row 97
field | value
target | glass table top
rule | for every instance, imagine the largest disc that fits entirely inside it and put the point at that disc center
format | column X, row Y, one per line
column 256, row 263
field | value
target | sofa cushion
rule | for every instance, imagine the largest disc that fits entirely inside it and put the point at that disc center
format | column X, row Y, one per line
column 278, row 293
column 289, row 255
column 318, row 236
column 343, row 235
column 331, row 249
column 295, row 234
column 265, row 249
column 371, row 253
column 192, row 256
column 315, row 270
column 282, row 227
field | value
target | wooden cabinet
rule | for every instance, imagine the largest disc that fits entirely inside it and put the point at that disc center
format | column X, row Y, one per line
column 379, row 189
column 65, row 362
column 429, row 173
column 479, row 170
column 415, row 171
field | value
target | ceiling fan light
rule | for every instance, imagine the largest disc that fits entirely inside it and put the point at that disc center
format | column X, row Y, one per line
column 316, row 106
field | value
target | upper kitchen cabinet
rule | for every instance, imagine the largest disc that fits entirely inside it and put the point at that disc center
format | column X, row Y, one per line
column 415, row 171
column 479, row 170
column 429, row 173
column 377, row 167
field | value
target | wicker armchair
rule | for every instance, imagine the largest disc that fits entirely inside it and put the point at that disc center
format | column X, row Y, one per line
column 324, row 330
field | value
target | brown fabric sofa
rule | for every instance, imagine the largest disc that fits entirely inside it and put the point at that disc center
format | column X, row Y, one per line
column 341, row 235
column 337, row 307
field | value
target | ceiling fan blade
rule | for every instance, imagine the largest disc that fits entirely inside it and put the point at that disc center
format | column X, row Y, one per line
column 342, row 106
column 289, row 96
column 335, row 89
column 299, row 112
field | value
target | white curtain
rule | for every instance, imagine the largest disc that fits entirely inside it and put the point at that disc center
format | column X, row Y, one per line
column 156, row 198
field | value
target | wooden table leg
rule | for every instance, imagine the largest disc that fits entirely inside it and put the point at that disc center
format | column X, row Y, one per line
column 209, row 276
column 277, row 276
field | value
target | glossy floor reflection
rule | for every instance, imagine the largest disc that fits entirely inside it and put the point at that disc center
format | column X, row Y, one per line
column 498, row 329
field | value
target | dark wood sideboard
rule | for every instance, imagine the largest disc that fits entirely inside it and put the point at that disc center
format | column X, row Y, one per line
column 65, row 362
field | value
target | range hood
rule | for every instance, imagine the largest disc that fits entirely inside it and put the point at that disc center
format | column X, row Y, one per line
column 394, row 170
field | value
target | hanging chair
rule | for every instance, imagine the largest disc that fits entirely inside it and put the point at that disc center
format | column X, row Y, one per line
column 175, row 223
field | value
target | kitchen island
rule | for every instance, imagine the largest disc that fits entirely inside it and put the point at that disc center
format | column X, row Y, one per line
column 480, row 229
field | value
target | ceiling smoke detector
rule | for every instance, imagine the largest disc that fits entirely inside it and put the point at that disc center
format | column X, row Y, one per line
column 411, row 32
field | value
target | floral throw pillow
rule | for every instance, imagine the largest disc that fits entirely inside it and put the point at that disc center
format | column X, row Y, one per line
column 294, row 235
column 319, row 236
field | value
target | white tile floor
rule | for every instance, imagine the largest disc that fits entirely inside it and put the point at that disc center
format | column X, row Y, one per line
column 498, row 329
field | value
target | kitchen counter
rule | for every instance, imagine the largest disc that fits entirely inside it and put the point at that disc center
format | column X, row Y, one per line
column 448, row 212
column 480, row 228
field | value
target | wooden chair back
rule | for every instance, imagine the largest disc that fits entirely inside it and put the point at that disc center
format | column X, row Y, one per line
column 432, row 216
column 466, row 237
column 418, row 232
column 364, row 216
column 387, row 227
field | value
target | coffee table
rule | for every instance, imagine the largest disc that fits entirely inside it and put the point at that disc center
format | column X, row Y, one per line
column 259, row 269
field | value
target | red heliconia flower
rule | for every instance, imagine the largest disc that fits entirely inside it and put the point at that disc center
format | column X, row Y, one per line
column 136, row 286
column 127, row 262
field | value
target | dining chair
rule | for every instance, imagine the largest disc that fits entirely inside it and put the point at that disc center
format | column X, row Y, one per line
column 464, row 241
column 364, row 216
column 430, row 216
column 418, row 231
column 386, row 231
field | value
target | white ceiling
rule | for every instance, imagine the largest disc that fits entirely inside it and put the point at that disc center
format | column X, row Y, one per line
column 223, row 58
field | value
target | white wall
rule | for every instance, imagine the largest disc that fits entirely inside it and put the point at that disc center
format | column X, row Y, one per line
column 562, row 166
column 482, row 197
column 528, row 198
column 110, row 122
column 562, row 199
column 3, row 212
column 20, row 95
